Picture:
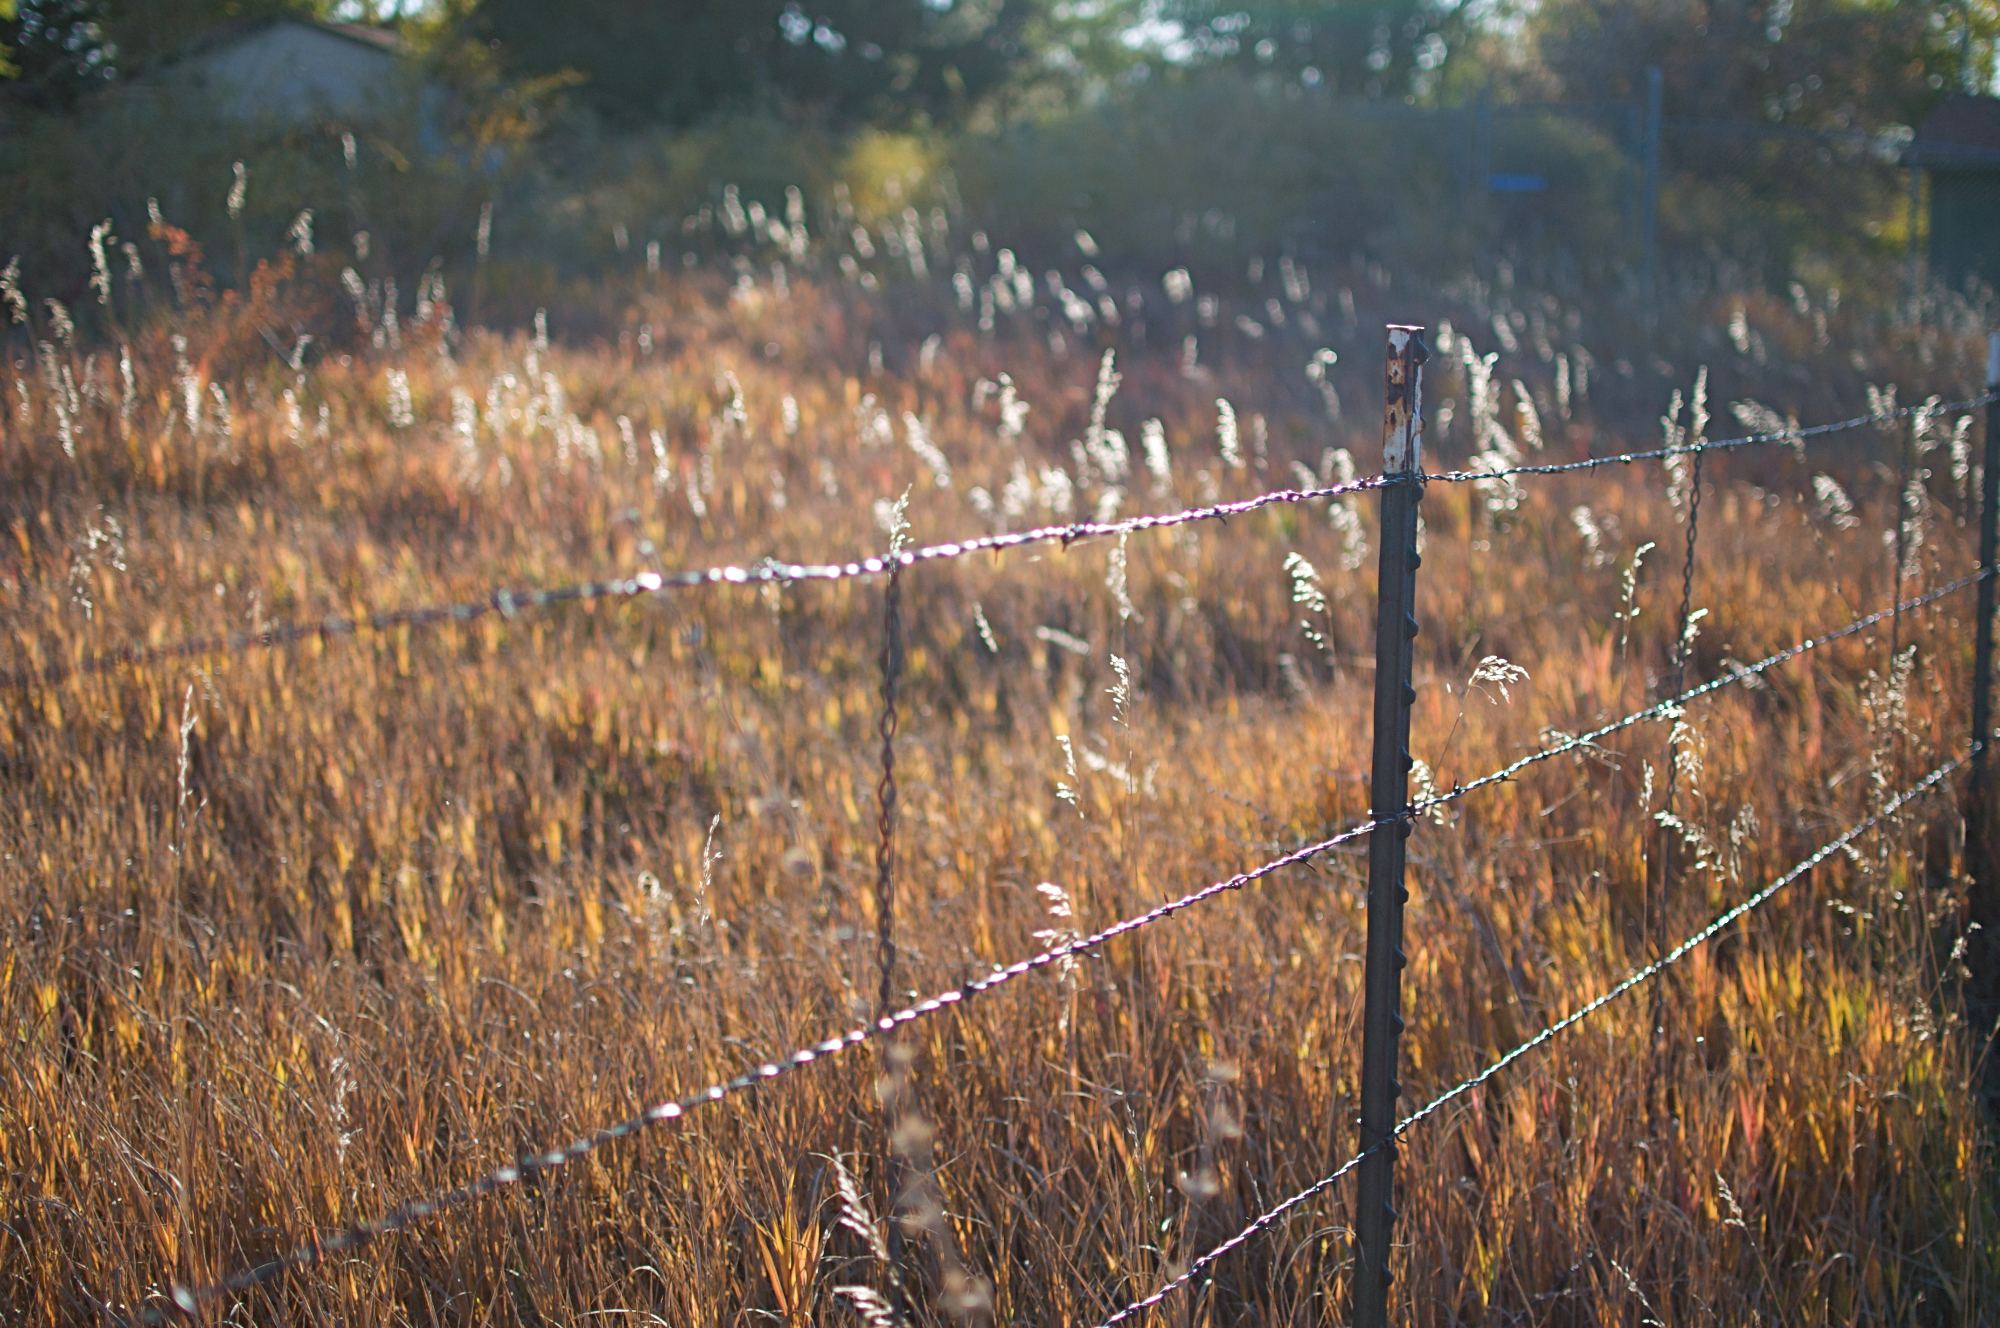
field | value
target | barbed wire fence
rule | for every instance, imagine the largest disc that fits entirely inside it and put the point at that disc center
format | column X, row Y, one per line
column 1393, row 816
column 511, row 602
column 672, row 1111
column 1637, row 978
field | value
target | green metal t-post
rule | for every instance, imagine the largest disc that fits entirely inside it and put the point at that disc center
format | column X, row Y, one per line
column 1389, row 798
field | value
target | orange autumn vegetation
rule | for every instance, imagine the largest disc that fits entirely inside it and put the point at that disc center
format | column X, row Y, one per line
column 287, row 937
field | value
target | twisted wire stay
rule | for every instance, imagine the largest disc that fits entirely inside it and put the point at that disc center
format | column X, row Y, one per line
column 885, row 913
column 1681, row 650
column 1898, row 574
column 885, row 792
column 1638, row 977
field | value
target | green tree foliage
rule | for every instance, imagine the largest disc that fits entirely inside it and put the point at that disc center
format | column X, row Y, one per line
column 56, row 51
column 1821, row 64
column 1355, row 48
column 53, row 52
column 839, row 61
column 148, row 31
column 8, row 69
column 1826, row 200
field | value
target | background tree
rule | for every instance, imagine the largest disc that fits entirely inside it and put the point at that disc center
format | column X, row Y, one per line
column 1394, row 49
column 53, row 52
column 148, row 31
column 8, row 69
column 1821, row 64
column 883, row 61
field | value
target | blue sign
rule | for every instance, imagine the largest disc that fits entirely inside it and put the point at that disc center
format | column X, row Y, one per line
column 1517, row 184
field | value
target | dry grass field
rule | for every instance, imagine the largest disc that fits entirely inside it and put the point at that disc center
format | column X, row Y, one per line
column 290, row 936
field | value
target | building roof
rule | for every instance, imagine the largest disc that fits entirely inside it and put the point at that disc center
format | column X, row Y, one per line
column 1963, row 131
column 234, row 30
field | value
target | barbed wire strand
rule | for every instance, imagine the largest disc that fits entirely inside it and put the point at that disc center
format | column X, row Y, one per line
column 1636, row 978
column 1738, row 674
column 189, row 1299
column 1720, row 445
column 509, row 603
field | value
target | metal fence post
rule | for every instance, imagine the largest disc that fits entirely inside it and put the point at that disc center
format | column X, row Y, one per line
column 1984, row 900
column 1389, row 796
column 1649, row 220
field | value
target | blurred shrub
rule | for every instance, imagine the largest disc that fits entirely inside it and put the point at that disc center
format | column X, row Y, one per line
column 392, row 191
column 1212, row 171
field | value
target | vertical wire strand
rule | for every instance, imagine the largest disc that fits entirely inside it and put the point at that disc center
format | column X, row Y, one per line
column 1667, row 832
column 1902, row 542
column 885, row 793
column 1680, row 685
column 895, row 1069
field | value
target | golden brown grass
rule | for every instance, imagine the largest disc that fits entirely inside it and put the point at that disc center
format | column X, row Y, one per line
column 288, row 937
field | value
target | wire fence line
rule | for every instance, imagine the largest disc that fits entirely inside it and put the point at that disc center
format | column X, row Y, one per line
column 1783, row 436
column 509, row 602
column 1637, row 978
column 189, row 1299
column 1739, row 674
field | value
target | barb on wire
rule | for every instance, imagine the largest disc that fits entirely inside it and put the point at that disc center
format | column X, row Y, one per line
column 1638, row 977
column 509, row 603
column 1725, row 444
column 188, row 1300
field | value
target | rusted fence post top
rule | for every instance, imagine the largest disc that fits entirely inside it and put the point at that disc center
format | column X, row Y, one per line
column 1403, row 417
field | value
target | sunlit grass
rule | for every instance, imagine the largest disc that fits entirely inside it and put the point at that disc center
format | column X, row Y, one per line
column 290, row 936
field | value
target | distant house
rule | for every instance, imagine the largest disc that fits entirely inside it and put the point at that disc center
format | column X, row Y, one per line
column 294, row 70
column 1959, row 148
